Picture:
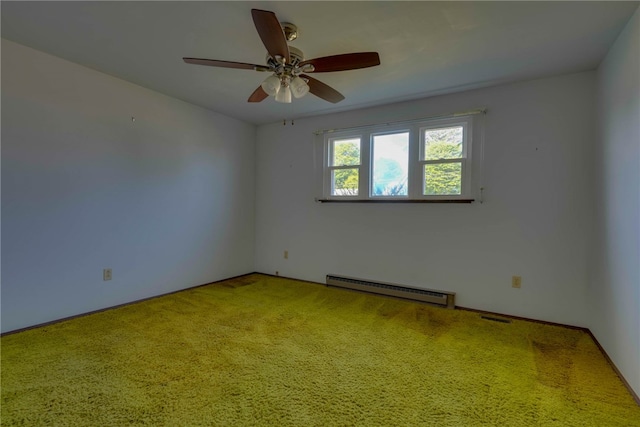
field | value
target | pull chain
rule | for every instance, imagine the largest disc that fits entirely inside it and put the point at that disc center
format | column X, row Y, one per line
column 284, row 121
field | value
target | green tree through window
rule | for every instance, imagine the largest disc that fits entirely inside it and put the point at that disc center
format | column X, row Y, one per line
column 443, row 178
column 346, row 179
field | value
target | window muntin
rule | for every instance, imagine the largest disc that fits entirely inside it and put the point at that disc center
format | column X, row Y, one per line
column 421, row 160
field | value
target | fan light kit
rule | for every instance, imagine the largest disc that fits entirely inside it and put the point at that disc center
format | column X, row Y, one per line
column 288, row 66
column 285, row 80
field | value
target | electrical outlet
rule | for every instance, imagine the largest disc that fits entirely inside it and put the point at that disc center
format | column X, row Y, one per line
column 286, row 254
column 516, row 282
column 106, row 274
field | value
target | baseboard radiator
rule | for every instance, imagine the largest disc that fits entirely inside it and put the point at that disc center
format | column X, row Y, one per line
column 445, row 299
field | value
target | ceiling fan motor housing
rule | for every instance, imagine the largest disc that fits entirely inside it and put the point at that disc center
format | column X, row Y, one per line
column 295, row 54
column 290, row 31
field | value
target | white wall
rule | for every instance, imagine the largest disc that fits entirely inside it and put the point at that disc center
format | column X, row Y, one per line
column 615, row 273
column 166, row 201
column 535, row 220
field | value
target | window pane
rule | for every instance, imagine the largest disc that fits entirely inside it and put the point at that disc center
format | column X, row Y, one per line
column 445, row 143
column 443, row 179
column 345, row 152
column 390, row 164
column 344, row 182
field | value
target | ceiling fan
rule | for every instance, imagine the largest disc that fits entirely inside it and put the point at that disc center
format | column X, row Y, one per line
column 288, row 65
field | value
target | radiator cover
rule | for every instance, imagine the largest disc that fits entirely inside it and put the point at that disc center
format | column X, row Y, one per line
column 445, row 299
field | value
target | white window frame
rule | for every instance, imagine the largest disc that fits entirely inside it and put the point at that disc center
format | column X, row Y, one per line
column 464, row 160
column 416, row 165
column 328, row 168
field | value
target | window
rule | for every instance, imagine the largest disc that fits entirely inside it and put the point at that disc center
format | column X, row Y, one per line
column 420, row 161
column 344, row 166
column 390, row 164
column 442, row 155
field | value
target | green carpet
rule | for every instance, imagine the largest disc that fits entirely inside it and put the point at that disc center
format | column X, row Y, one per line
column 265, row 351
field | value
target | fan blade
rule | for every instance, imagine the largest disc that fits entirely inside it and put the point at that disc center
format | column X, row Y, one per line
column 258, row 95
column 347, row 61
column 271, row 33
column 322, row 90
column 225, row 64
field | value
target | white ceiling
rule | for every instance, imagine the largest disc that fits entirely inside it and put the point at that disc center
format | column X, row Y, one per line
column 425, row 48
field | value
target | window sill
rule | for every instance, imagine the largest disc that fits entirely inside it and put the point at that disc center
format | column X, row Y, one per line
column 395, row 201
